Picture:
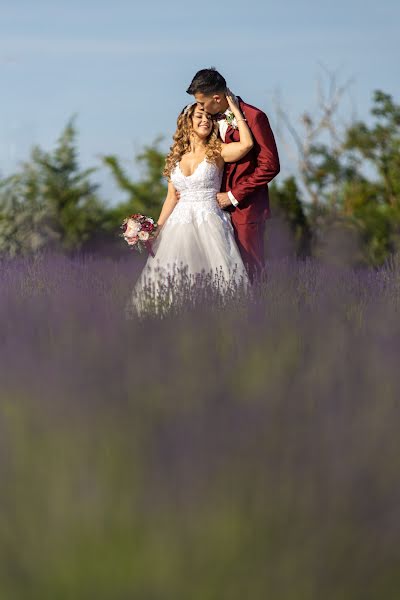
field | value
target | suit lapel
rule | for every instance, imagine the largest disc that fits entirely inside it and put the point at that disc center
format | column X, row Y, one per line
column 229, row 134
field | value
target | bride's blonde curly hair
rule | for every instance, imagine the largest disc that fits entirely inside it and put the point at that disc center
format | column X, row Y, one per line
column 182, row 137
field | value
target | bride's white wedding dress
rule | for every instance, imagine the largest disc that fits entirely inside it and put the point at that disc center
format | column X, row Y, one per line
column 198, row 235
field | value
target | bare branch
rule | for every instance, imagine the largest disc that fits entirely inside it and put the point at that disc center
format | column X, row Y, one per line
column 322, row 123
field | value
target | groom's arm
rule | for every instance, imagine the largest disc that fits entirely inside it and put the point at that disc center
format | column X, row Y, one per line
column 267, row 159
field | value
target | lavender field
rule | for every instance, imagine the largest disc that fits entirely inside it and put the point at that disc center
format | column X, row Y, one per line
column 245, row 451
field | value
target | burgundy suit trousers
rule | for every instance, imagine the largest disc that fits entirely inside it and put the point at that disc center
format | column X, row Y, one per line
column 250, row 239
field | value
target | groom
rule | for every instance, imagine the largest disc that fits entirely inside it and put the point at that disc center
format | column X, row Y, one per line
column 244, row 189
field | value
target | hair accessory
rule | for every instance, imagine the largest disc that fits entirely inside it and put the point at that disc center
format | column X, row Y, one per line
column 187, row 107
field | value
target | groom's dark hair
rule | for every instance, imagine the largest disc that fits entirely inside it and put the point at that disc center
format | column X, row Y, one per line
column 207, row 81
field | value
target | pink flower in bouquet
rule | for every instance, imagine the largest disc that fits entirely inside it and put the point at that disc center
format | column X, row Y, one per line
column 143, row 235
column 133, row 240
column 133, row 228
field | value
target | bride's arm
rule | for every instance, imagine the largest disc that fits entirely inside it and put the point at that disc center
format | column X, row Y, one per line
column 168, row 206
column 236, row 150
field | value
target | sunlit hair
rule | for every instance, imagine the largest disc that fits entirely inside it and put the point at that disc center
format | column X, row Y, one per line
column 182, row 137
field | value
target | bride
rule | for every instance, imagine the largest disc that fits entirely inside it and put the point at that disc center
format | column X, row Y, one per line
column 194, row 235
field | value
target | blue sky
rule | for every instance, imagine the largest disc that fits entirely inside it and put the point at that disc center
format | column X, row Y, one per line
column 124, row 66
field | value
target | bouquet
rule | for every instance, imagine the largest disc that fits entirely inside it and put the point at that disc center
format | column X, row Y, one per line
column 138, row 231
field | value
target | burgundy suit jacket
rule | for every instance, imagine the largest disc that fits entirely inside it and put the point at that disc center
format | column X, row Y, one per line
column 248, row 178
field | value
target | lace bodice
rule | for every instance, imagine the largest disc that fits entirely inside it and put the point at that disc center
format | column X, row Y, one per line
column 206, row 178
column 198, row 193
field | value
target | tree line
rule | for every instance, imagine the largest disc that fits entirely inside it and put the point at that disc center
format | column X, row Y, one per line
column 347, row 189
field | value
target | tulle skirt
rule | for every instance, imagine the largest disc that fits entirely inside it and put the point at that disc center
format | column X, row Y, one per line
column 187, row 255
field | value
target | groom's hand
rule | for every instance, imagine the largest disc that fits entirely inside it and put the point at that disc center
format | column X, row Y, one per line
column 223, row 199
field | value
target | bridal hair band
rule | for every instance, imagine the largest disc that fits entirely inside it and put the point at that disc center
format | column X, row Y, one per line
column 187, row 107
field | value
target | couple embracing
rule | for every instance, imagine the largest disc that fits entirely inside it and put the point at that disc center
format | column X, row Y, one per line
column 220, row 163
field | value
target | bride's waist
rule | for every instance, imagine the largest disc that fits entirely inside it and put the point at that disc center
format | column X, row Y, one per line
column 198, row 196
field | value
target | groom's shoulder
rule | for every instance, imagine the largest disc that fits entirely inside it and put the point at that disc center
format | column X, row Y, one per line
column 251, row 111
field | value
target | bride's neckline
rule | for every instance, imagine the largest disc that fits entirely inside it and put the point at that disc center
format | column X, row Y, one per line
column 197, row 166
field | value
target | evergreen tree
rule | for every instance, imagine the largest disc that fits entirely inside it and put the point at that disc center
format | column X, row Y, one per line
column 144, row 196
column 49, row 201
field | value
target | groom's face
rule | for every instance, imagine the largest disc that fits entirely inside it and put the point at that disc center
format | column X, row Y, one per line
column 211, row 104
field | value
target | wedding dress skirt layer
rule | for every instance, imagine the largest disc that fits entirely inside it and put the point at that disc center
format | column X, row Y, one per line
column 197, row 237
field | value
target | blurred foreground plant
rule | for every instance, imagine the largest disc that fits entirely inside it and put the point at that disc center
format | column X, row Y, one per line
column 214, row 453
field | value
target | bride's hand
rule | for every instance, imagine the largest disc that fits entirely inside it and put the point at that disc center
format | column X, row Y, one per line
column 233, row 105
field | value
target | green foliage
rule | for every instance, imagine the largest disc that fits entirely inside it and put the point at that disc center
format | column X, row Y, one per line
column 375, row 205
column 49, row 201
column 144, row 196
column 325, row 173
column 25, row 224
column 350, row 202
column 380, row 144
column 287, row 203
column 353, row 184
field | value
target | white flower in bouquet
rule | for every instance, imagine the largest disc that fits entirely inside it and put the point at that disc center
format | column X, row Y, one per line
column 143, row 235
